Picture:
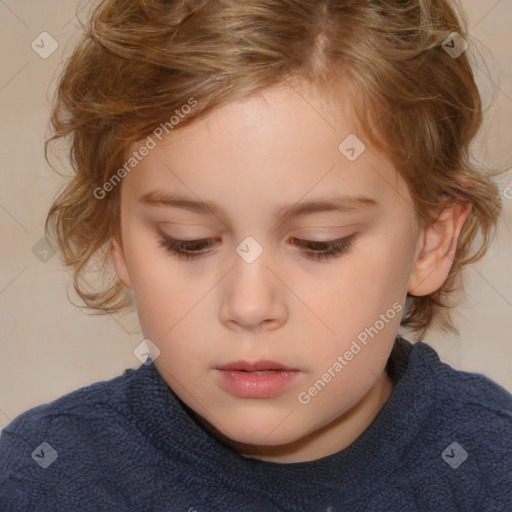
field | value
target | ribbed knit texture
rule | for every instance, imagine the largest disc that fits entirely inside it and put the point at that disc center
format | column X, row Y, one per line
column 128, row 444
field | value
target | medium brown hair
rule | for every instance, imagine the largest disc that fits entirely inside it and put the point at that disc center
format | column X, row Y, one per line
column 137, row 61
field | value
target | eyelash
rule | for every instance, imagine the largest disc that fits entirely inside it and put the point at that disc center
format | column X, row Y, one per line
column 331, row 249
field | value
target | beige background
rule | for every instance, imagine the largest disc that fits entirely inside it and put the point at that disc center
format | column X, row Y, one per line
column 50, row 347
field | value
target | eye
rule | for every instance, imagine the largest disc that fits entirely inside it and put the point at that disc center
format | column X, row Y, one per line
column 186, row 249
column 192, row 249
column 325, row 250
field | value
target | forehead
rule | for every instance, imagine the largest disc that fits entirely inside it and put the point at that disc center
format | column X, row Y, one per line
column 283, row 143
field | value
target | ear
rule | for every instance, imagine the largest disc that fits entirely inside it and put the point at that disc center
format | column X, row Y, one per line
column 119, row 261
column 437, row 249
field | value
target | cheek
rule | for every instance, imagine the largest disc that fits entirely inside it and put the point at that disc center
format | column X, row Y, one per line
column 361, row 302
column 362, row 286
column 161, row 291
column 173, row 304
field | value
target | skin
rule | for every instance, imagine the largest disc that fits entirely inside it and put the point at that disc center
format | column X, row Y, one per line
column 250, row 158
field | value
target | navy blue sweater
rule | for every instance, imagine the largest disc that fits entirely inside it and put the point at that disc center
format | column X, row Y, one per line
column 443, row 442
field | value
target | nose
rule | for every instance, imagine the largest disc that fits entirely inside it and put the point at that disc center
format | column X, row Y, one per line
column 253, row 297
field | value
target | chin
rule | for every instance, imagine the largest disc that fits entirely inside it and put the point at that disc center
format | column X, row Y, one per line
column 269, row 433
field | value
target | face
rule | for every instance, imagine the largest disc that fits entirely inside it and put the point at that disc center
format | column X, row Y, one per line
column 270, row 268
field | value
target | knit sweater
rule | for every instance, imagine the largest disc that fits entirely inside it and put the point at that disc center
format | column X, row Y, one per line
column 442, row 442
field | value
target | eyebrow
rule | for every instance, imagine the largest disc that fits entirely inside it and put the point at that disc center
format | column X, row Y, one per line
column 343, row 204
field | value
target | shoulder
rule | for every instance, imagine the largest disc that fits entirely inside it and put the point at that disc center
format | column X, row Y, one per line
column 35, row 439
column 469, row 425
column 477, row 395
column 93, row 401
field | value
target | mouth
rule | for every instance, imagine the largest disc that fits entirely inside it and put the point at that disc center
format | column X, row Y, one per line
column 256, row 367
column 261, row 379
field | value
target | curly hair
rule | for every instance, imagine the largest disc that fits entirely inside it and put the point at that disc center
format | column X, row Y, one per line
column 138, row 60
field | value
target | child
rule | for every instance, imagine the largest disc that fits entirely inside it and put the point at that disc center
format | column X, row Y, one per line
column 281, row 186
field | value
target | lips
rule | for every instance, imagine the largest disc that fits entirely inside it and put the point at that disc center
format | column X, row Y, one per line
column 261, row 379
column 258, row 366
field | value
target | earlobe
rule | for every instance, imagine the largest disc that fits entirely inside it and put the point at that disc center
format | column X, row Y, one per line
column 437, row 250
column 119, row 262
